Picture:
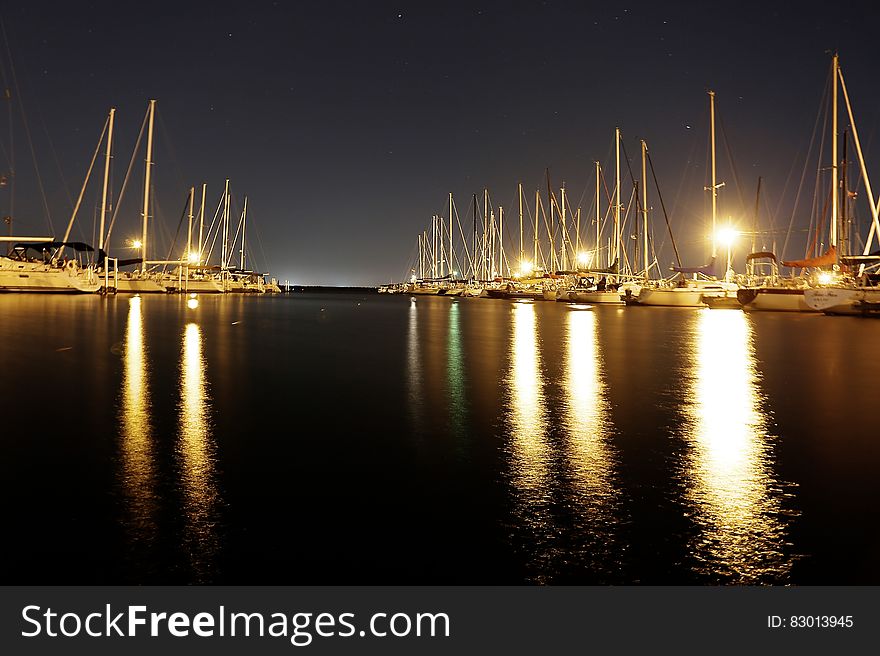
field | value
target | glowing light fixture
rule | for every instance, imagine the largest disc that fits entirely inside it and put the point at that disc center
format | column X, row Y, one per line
column 525, row 268
column 825, row 278
column 193, row 257
column 584, row 258
column 136, row 243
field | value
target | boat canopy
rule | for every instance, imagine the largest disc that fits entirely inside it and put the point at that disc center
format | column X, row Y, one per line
column 760, row 255
column 828, row 258
column 78, row 246
column 706, row 269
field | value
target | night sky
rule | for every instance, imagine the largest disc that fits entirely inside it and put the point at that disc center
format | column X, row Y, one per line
column 347, row 124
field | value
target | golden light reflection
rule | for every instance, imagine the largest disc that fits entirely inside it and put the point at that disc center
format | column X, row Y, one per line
column 526, row 408
column 414, row 363
column 586, row 414
column 197, row 457
column 138, row 467
column 729, row 472
column 455, row 375
column 192, row 303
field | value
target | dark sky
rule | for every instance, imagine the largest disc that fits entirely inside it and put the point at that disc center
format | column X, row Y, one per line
column 347, row 124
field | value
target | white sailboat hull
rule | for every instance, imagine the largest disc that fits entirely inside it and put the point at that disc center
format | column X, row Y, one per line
column 18, row 276
column 844, row 300
column 678, row 296
column 597, row 297
column 773, row 299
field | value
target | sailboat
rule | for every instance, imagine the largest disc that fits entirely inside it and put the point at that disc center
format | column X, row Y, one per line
column 140, row 281
column 858, row 291
column 682, row 291
column 597, row 285
column 767, row 290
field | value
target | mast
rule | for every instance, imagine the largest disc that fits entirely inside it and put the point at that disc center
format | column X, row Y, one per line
column 537, row 203
column 550, row 229
column 484, row 261
column 500, row 241
column 106, row 179
column 243, row 225
column 564, row 248
column 475, row 239
column 223, row 259
column 645, row 203
column 187, row 257
column 714, row 189
column 597, row 262
column 202, row 220
column 843, row 235
column 450, row 233
column 617, row 198
column 835, row 65
column 519, row 198
column 147, row 187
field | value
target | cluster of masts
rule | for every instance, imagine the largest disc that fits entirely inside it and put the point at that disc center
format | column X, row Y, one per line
column 559, row 266
column 47, row 264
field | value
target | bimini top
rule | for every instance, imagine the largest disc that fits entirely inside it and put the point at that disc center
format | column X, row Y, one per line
column 78, row 246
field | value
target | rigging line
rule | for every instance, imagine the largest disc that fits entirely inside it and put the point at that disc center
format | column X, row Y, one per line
column 824, row 102
column 663, row 207
column 27, row 129
column 121, row 196
column 183, row 215
column 730, row 160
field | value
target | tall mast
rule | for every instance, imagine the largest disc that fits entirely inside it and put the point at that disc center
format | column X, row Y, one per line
column 834, row 217
column 564, row 248
column 714, row 188
column 843, row 235
column 192, row 195
column 484, row 254
column 500, row 241
column 476, row 276
column 617, row 197
column 106, row 178
column 223, row 258
column 550, row 229
column 450, row 233
column 243, row 225
column 202, row 220
column 577, row 238
column 597, row 263
column 537, row 204
column 147, row 187
column 645, row 203
column 519, row 198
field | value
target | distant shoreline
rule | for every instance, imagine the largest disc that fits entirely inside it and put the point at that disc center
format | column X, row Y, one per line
column 328, row 289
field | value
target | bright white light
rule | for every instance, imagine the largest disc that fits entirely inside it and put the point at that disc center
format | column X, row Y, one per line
column 726, row 235
column 825, row 278
column 194, row 257
column 192, row 303
column 584, row 258
column 136, row 243
column 525, row 268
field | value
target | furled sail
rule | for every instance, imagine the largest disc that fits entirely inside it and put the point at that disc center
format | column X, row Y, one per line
column 828, row 258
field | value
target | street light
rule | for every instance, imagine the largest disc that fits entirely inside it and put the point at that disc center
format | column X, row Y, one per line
column 136, row 243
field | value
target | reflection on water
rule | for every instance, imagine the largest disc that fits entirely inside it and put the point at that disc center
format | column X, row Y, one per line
column 527, row 411
column 591, row 458
column 197, row 458
column 527, row 447
column 729, row 475
column 455, row 375
column 138, row 476
column 414, row 365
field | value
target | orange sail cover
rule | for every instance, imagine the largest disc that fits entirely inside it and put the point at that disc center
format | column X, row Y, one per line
column 828, row 258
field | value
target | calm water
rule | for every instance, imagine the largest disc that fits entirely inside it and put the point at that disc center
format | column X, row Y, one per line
column 378, row 439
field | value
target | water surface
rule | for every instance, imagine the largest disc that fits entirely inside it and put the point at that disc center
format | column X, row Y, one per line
column 382, row 439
